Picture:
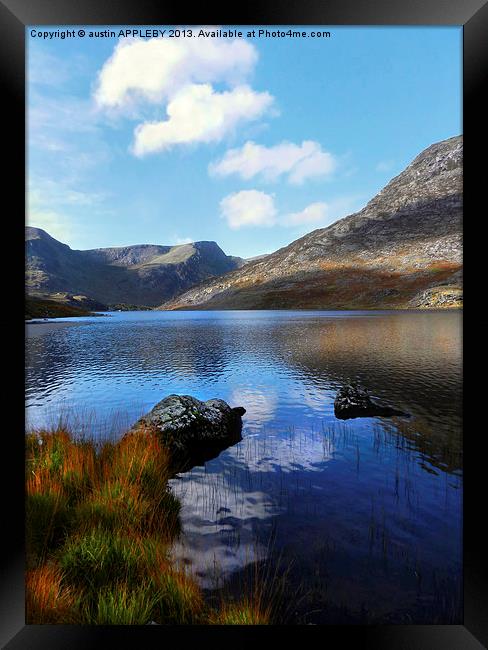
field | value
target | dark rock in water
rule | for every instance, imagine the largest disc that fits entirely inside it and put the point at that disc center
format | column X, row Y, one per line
column 354, row 402
column 193, row 430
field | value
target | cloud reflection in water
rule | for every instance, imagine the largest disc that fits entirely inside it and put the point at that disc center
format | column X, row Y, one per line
column 228, row 506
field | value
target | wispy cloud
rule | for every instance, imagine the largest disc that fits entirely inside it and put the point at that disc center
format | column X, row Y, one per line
column 55, row 206
column 66, row 142
column 58, row 225
column 66, row 147
column 385, row 165
column 63, row 114
column 45, row 69
column 48, row 192
column 178, row 241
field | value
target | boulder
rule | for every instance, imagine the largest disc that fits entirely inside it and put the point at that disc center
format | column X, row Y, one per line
column 194, row 431
column 353, row 401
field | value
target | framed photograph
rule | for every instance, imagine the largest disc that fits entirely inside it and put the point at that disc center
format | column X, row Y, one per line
column 243, row 343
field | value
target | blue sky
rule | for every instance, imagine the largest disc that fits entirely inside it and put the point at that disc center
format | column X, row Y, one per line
column 250, row 142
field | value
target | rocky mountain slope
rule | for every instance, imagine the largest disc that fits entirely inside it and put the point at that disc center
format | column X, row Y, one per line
column 402, row 250
column 142, row 275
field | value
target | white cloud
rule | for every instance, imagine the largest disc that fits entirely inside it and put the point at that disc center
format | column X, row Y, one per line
column 299, row 162
column 255, row 208
column 322, row 214
column 156, row 69
column 199, row 114
column 248, row 208
column 313, row 213
column 142, row 77
column 260, row 406
column 319, row 163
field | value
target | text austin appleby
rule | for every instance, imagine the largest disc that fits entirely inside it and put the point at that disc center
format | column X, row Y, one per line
column 160, row 33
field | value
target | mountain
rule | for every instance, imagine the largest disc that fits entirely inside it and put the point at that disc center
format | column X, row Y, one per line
column 143, row 275
column 402, row 250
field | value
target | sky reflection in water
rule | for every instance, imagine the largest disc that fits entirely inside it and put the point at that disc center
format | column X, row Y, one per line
column 369, row 510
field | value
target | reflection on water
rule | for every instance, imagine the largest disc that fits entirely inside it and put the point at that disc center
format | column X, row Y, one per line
column 369, row 510
column 233, row 501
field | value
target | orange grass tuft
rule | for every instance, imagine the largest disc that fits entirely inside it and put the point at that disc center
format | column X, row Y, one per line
column 47, row 600
column 242, row 613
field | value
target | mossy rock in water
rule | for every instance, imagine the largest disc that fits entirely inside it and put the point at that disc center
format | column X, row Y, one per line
column 194, row 431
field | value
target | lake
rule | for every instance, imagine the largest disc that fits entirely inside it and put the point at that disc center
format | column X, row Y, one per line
column 363, row 517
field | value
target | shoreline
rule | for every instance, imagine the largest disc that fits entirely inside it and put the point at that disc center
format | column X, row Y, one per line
column 39, row 328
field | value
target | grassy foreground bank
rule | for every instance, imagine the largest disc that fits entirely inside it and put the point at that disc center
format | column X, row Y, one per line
column 100, row 521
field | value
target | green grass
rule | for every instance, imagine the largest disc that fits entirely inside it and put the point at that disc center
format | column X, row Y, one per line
column 47, row 522
column 95, row 559
column 112, row 506
column 180, row 599
column 120, row 604
column 100, row 521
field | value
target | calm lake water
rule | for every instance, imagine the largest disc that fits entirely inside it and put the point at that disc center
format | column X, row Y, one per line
column 365, row 516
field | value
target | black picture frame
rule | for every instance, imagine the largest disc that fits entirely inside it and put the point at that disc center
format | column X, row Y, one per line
column 14, row 16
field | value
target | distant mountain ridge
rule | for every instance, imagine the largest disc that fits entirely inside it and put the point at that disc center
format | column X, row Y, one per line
column 142, row 275
column 402, row 250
